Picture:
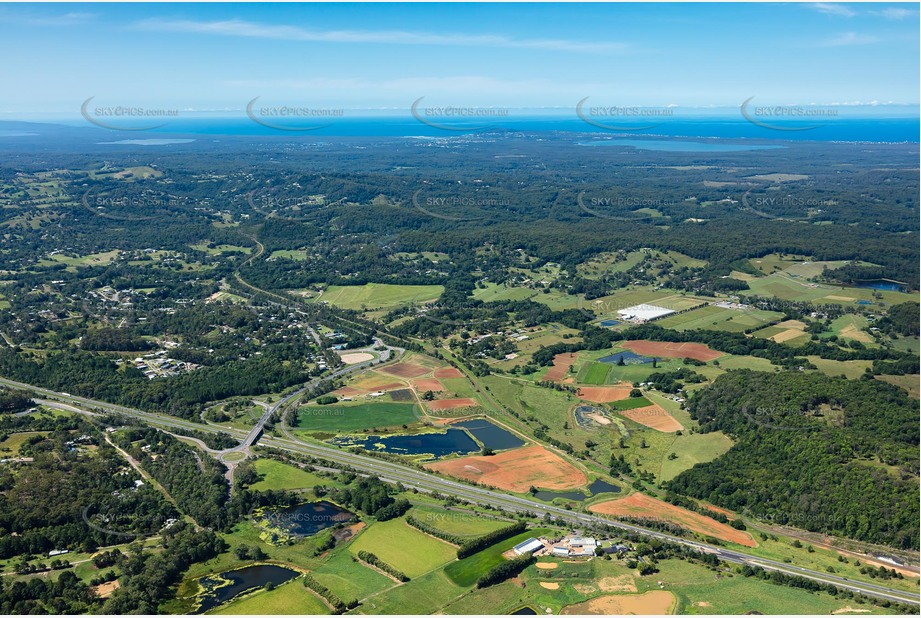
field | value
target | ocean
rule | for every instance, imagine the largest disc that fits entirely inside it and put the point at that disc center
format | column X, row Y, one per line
column 882, row 129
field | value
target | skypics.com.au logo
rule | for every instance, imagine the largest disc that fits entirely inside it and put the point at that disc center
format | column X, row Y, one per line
column 125, row 117
column 615, row 117
column 456, row 118
column 291, row 117
column 769, row 116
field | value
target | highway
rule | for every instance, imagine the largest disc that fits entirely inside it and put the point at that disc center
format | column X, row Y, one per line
column 256, row 431
column 426, row 481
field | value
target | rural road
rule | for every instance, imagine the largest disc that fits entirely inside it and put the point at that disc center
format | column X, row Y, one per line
column 429, row 482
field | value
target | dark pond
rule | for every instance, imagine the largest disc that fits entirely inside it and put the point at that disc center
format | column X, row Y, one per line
column 524, row 611
column 609, row 322
column 492, row 436
column 630, row 358
column 436, row 444
column 600, row 487
column 881, row 284
column 597, row 487
column 241, row 580
column 306, row 519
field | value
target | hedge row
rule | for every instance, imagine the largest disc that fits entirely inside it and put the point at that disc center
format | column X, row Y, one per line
column 327, row 594
column 444, row 536
column 475, row 545
column 503, row 571
column 383, row 566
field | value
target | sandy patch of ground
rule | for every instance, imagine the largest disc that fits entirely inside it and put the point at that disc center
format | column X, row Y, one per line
column 622, row 583
column 666, row 349
column 584, row 588
column 345, row 534
column 104, row 591
column 653, row 416
column 852, row 332
column 641, row 505
column 849, row 609
column 406, row 370
column 547, row 565
column 603, row 394
column 353, row 358
column 841, row 298
column 561, row 363
column 450, row 404
column 428, row 384
column 599, row 418
column 702, row 604
column 550, row 585
column 448, row 372
column 515, row 470
column 653, row 602
column 787, row 335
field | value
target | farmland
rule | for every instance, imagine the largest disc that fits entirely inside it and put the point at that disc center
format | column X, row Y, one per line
column 349, row 578
column 466, row 571
column 347, row 418
column 639, row 505
column 378, row 295
column 515, row 470
column 402, row 546
column 457, row 522
column 280, row 476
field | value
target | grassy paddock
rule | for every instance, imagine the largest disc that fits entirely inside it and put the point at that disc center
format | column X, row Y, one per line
column 403, row 547
column 465, row 572
column 357, row 417
column 379, row 295
column 281, row 476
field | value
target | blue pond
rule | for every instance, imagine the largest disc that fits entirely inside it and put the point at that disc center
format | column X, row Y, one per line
column 630, row 358
column 597, row 487
column 882, row 284
column 241, row 580
column 307, row 519
column 609, row 322
column 524, row 611
column 452, row 441
column 490, row 435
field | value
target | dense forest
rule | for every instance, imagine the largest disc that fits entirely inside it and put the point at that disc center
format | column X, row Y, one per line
column 825, row 454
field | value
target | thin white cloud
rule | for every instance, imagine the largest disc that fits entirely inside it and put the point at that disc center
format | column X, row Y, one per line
column 849, row 38
column 44, row 20
column 240, row 28
column 895, row 13
column 833, row 9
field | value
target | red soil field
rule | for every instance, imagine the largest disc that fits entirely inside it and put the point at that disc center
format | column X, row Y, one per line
column 428, row 384
column 406, row 370
column 516, row 470
column 450, row 404
column 448, row 372
column 561, row 363
column 603, row 394
column 697, row 351
column 641, row 505
column 653, row 416
column 348, row 391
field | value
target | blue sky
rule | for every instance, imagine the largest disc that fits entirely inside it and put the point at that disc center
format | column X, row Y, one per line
column 358, row 56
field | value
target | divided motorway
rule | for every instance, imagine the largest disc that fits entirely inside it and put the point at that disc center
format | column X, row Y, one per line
column 425, row 481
